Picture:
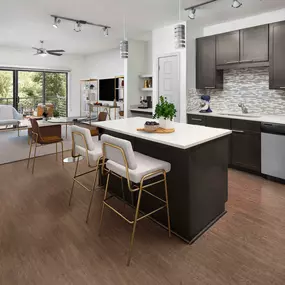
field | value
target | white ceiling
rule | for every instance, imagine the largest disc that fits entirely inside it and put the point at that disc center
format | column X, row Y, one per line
column 24, row 22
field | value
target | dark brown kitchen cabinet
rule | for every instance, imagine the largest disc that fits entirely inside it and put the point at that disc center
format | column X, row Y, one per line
column 196, row 120
column 277, row 56
column 246, row 145
column 217, row 122
column 207, row 77
column 227, row 48
column 254, row 44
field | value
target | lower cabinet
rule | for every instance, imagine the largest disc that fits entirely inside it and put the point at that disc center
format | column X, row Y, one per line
column 244, row 143
column 246, row 151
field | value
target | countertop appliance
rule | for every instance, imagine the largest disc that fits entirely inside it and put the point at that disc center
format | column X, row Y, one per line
column 273, row 150
column 143, row 103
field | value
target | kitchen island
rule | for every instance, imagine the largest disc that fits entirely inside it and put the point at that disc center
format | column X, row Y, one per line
column 198, row 180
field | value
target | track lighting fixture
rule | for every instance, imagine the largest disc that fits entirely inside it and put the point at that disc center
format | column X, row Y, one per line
column 192, row 14
column 56, row 22
column 77, row 27
column 78, row 24
column 192, row 9
column 236, row 4
column 106, row 31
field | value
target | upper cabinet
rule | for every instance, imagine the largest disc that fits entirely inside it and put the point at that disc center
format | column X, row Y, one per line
column 254, row 44
column 207, row 77
column 227, row 48
column 244, row 46
column 277, row 56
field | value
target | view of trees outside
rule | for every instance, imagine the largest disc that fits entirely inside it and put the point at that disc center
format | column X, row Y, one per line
column 6, row 87
column 30, row 90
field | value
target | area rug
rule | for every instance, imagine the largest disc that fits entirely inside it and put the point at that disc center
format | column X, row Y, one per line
column 14, row 148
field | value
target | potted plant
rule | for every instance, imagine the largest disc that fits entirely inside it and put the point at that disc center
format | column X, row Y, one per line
column 165, row 112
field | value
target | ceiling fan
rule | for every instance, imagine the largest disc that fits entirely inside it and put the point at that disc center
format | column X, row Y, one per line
column 44, row 52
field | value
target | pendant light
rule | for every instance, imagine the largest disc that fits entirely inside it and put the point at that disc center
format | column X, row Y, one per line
column 179, row 33
column 124, row 44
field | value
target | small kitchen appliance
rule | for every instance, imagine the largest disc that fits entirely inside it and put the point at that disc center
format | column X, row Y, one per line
column 205, row 104
column 143, row 103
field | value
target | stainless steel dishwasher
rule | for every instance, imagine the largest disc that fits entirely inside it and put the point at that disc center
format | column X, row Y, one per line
column 273, row 150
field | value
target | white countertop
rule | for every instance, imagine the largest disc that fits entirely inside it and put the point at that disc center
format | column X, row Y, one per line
column 148, row 110
column 184, row 137
column 275, row 119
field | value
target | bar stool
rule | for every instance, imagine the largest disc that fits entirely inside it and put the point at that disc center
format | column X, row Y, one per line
column 137, row 168
column 83, row 145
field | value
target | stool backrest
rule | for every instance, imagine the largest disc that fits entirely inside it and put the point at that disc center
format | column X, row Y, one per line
column 81, row 137
column 116, row 149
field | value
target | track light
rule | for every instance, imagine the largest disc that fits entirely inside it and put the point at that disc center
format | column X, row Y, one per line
column 236, row 4
column 56, row 22
column 77, row 27
column 106, row 31
column 192, row 14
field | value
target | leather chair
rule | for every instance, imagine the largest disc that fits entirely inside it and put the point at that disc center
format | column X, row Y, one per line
column 38, row 139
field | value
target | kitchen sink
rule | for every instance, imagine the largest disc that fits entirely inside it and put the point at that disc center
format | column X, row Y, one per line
column 240, row 115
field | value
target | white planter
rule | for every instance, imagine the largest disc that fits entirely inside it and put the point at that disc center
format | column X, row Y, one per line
column 166, row 124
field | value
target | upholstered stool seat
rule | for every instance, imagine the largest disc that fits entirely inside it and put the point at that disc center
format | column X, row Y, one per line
column 137, row 169
column 145, row 165
column 93, row 155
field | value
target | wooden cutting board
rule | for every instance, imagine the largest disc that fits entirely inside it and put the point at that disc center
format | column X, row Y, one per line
column 157, row 131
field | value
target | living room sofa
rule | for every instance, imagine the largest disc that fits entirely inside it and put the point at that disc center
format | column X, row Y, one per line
column 9, row 116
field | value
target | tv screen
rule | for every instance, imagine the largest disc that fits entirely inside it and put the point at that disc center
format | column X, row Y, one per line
column 107, row 89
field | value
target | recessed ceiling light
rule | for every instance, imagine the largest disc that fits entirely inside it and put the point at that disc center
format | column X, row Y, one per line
column 192, row 14
column 236, row 4
column 56, row 22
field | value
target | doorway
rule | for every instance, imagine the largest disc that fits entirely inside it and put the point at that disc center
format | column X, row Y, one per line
column 169, row 82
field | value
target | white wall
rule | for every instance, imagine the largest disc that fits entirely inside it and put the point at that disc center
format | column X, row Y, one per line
column 163, row 44
column 10, row 57
column 106, row 64
column 134, row 66
column 261, row 19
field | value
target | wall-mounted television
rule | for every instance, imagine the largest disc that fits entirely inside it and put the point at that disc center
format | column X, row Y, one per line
column 107, row 89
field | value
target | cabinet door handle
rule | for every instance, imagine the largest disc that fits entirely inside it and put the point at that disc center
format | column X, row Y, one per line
column 283, row 87
column 195, row 119
column 237, row 131
column 209, row 87
column 246, row 60
column 234, row 61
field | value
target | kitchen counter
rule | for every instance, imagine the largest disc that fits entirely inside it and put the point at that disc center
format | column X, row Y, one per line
column 274, row 119
column 148, row 110
column 197, row 182
column 184, row 137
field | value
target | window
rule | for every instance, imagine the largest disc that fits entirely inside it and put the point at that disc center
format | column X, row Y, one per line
column 6, row 87
column 26, row 89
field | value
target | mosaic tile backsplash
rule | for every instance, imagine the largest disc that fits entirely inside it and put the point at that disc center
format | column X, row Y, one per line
column 249, row 86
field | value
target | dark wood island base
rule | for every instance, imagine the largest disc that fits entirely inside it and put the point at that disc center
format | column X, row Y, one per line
column 197, row 184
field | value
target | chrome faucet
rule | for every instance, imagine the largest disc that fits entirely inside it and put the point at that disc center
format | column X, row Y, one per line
column 243, row 108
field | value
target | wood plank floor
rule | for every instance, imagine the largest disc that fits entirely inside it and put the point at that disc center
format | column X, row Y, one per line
column 43, row 241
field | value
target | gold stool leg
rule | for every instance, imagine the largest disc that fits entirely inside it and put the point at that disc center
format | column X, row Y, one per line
column 29, row 155
column 62, row 153
column 35, row 153
column 134, row 226
column 167, row 204
column 71, row 192
column 56, row 150
column 103, row 205
column 92, row 191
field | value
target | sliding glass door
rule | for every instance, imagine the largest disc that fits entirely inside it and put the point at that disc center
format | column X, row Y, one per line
column 6, row 87
column 29, row 90
column 55, row 90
